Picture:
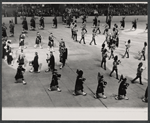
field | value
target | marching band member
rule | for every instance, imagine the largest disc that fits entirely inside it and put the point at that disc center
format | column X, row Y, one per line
column 98, row 27
column 11, row 26
column 19, row 74
column 115, row 64
column 106, row 26
column 75, row 30
column 72, row 26
column 146, row 29
column 51, row 41
column 104, row 56
column 95, row 22
column 84, row 26
column 38, row 40
column 100, row 87
column 21, row 40
column 35, row 64
column 4, row 28
column 51, row 62
column 127, row 45
column 112, row 48
column 139, row 73
column 63, row 53
column 143, row 52
column 122, row 26
column 82, row 36
column 122, row 89
column 54, row 82
column 32, row 24
column 79, row 84
column 24, row 25
column 41, row 24
column 21, row 58
column 93, row 37
column 134, row 24
column 55, row 22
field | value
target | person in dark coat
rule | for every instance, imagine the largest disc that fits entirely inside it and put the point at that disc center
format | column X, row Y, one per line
column 122, row 89
column 63, row 53
column 145, row 99
column 4, row 48
column 4, row 28
column 19, row 74
column 21, row 40
column 100, row 87
column 9, row 56
column 55, row 22
column 139, row 73
column 11, row 26
column 51, row 41
column 95, row 22
column 122, row 26
column 134, row 24
column 41, row 24
column 79, row 84
column 51, row 62
column 54, row 82
column 24, row 25
column 32, row 24
column 35, row 64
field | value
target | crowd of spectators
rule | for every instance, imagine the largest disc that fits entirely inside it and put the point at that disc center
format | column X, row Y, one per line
column 76, row 9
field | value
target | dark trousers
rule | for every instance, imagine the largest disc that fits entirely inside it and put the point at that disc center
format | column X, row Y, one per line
column 82, row 38
column 115, row 71
column 126, row 53
column 93, row 39
column 143, row 55
column 103, row 62
column 140, row 78
column 146, row 93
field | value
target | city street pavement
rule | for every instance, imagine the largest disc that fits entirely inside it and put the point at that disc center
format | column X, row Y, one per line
column 80, row 56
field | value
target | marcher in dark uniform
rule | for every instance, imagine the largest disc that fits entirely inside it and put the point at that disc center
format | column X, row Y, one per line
column 9, row 56
column 115, row 64
column 145, row 99
column 4, row 28
column 84, row 19
column 104, row 56
column 103, row 48
column 134, row 24
column 100, row 87
column 32, row 23
column 51, row 41
column 139, row 73
column 41, row 24
column 55, row 22
column 51, row 62
column 82, row 36
column 106, row 28
column 122, row 89
column 93, row 37
column 8, row 51
column 35, row 64
column 11, row 26
column 63, row 53
column 79, row 84
column 19, row 75
column 54, row 82
column 127, row 44
column 95, row 22
column 72, row 26
column 109, row 21
column 98, row 27
column 38, row 40
column 24, row 25
column 122, row 26
column 4, row 48
column 143, row 52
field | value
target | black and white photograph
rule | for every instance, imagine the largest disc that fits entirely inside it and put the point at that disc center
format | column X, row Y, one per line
column 74, row 60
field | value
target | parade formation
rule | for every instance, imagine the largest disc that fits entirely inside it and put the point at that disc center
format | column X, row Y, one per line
column 106, row 51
